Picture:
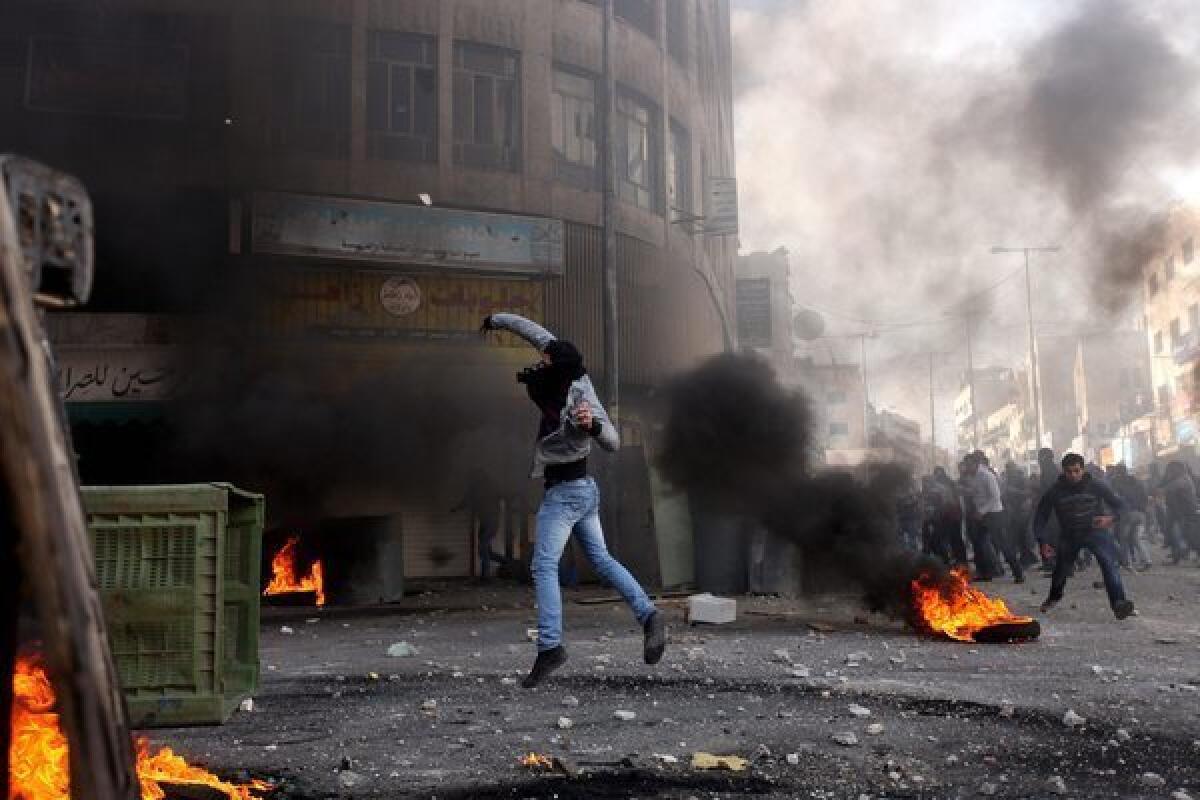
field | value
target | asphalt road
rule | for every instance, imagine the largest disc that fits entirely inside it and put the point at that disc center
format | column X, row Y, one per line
column 337, row 716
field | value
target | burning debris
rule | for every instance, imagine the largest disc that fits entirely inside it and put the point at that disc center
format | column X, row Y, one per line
column 284, row 571
column 38, row 759
column 739, row 439
column 536, row 761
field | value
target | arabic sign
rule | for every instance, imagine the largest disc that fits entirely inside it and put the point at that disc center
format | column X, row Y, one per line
column 394, row 233
column 116, row 375
column 721, row 206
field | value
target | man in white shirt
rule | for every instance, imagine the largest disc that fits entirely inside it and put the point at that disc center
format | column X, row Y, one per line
column 987, row 523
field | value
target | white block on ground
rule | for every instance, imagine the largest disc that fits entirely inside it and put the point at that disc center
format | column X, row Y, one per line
column 711, row 609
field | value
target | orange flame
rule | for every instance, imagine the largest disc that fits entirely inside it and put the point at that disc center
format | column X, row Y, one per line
column 536, row 761
column 38, row 767
column 283, row 574
column 953, row 607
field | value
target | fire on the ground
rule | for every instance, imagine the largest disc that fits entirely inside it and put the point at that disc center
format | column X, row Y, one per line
column 285, row 578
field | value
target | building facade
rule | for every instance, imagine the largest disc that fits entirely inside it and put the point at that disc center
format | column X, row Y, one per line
column 902, row 436
column 1112, row 390
column 1172, row 330
column 339, row 190
column 992, row 389
column 765, row 307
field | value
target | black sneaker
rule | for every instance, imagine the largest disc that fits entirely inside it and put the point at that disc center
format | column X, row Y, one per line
column 547, row 661
column 1049, row 604
column 1124, row 609
column 1019, row 579
column 656, row 638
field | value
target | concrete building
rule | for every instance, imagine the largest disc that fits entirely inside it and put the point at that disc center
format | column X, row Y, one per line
column 1112, row 389
column 1172, row 329
column 764, row 308
column 994, row 387
column 1005, row 436
column 902, row 435
column 839, row 412
column 342, row 189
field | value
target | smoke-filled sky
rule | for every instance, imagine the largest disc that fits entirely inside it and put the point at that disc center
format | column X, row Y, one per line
column 889, row 144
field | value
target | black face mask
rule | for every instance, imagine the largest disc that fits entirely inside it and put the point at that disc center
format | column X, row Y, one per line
column 547, row 385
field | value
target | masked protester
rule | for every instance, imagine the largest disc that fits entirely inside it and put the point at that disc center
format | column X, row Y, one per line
column 571, row 419
column 1084, row 507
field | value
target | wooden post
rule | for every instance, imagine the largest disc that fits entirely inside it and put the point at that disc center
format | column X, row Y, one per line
column 38, row 470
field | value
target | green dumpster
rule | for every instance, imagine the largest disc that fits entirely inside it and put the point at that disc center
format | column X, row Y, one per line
column 177, row 569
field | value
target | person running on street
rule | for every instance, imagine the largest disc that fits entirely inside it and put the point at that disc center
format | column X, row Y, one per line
column 1084, row 508
column 571, row 419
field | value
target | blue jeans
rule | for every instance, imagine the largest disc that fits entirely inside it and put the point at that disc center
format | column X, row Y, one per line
column 573, row 507
column 1104, row 545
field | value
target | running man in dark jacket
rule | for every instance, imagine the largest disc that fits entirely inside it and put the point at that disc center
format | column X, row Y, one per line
column 1084, row 508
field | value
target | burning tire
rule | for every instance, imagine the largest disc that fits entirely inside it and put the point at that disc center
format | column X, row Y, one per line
column 1005, row 632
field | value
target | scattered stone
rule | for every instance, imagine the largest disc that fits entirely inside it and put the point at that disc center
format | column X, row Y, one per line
column 286, row 630
column 565, row 723
column 858, row 658
column 1073, row 720
column 793, row 759
column 429, row 706
column 349, row 779
column 845, row 739
column 988, row 789
column 762, row 753
column 781, row 655
column 508, row 681
column 247, row 704
column 1097, row 670
column 570, row 701
column 531, row 634
column 1124, row 735
column 1007, row 710
column 899, row 658
column 624, row 716
column 666, row 758
column 1152, row 780
column 802, row 672
column 859, row 711
column 951, row 759
column 1180, row 794
column 1056, row 784
column 402, row 650
column 875, row 729
column 711, row 609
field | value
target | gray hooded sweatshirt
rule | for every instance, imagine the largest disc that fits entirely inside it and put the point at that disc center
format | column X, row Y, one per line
column 568, row 442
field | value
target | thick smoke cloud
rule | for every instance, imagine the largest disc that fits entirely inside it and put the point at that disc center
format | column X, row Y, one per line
column 888, row 148
column 740, row 441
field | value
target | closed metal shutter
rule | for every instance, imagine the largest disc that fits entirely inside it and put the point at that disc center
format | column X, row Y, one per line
column 437, row 544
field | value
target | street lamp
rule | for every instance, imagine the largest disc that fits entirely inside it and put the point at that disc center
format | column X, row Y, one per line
column 1033, row 364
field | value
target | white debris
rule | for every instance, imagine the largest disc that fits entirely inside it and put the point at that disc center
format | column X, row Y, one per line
column 988, row 789
column 402, row 650
column 570, row 701
column 781, row 655
column 247, row 704
column 711, row 609
column 1152, row 780
column 1180, row 794
column 1124, row 735
column 624, row 716
column 899, row 658
column 1073, row 720
column 1056, row 784
column 349, row 779
column 845, row 739
column 286, row 630
column 801, row 672
column 859, row 711
column 1007, row 709
column 531, row 634
column 951, row 759
column 1097, row 669
column 858, row 658
column 508, row 681
column 565, row 723
column 793, row 758
column 429, row 705
column 875, row 729
column 666, row 758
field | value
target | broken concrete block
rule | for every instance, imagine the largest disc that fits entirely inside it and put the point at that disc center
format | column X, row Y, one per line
column 711, row 609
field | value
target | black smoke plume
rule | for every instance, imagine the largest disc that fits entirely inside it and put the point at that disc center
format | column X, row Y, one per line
column 737, row 438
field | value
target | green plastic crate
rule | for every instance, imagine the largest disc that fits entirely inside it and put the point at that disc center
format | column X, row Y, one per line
column 178, row 570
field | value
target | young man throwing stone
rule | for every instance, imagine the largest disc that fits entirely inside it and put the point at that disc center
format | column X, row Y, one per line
column 572, row 417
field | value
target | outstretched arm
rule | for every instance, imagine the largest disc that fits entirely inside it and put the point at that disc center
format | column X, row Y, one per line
column 527, row 329
column 1043, row 514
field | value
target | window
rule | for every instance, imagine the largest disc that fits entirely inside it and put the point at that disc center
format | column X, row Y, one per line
column 1189, row 251
column 839, row 429
column 638, row 13
column 835, row 397
column 402, row 96
column 487, row 108
column 679, row 170
column 1175, row 333
column 677, row 30
column 1152, row 284
column 754, row 312
column 311, row 89
column 638, row 152
column 1169, row 267
column 573, row 121
column 1158, row 342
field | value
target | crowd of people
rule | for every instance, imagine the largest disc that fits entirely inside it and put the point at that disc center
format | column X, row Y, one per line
column 1055, row 518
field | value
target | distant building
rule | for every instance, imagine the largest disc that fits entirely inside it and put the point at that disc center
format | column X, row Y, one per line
column 1112, row 389
column 1056, row 379
column 836, row 394
column 903, row 436
column 1172, row 330
column 764, row 307
column 995, row 387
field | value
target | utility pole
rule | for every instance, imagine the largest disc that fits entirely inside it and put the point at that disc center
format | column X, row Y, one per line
column 932, row 419
column 1035, row 375
column 612, row 365
column 971, row 388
